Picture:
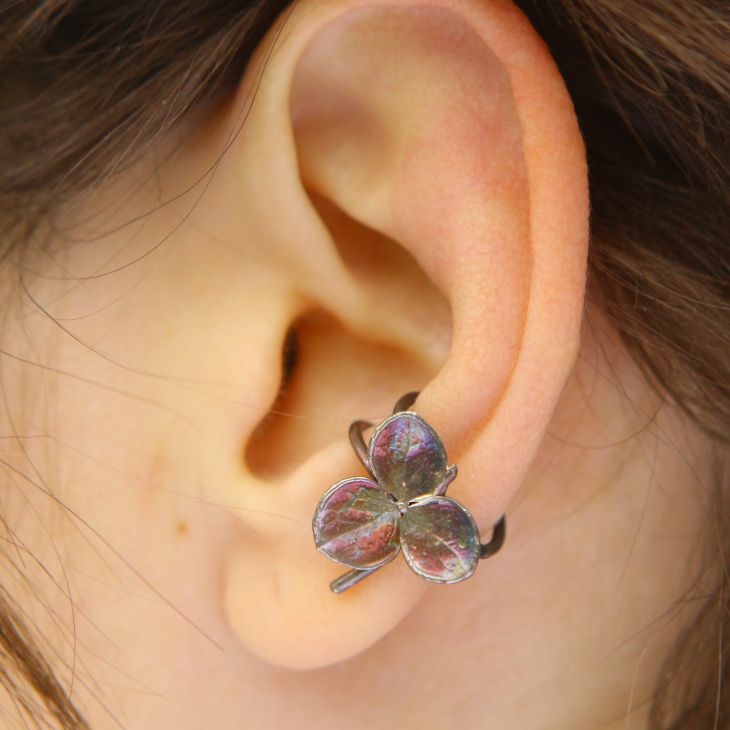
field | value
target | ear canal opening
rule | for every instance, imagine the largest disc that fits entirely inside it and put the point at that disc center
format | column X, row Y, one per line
column 331, row 376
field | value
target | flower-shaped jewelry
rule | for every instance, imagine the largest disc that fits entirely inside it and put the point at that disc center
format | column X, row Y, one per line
column 364, row 523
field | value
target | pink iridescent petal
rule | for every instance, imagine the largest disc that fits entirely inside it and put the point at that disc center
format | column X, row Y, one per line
column 356, row 524
column 440, row 541
column 407, row 457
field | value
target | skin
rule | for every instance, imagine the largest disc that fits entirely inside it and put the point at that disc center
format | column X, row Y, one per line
column 409, row 194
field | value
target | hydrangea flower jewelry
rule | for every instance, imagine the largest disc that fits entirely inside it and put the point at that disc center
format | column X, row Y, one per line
column 364, row 523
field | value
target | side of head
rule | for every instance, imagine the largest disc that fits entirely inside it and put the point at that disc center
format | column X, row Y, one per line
column 391, row 197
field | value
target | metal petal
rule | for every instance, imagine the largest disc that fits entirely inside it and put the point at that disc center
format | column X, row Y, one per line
column 407, row 457
column 440, row 541
column 356, row 524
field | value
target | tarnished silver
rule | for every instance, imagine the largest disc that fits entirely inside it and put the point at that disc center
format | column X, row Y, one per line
column 363, row 523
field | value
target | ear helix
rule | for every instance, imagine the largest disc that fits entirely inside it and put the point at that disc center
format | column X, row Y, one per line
column 363, row 523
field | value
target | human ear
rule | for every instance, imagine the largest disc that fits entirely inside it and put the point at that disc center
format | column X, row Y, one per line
column 398, row 163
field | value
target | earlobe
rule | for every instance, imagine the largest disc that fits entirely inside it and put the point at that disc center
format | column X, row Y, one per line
column 445, row 131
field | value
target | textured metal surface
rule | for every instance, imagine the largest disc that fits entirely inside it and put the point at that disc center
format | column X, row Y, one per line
column 356, row 524
column 440, row 540
column 407, row 457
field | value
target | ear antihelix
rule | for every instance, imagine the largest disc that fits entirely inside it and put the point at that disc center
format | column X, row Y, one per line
column 363, row 523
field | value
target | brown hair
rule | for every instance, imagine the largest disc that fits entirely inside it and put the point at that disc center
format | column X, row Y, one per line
column 86, row 87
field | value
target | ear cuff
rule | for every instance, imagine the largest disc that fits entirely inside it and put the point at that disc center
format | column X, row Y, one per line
column 363, row 523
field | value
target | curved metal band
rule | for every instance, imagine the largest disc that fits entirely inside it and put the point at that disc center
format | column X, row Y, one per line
column 358, row 443
column 406, row 401
column 499, row 532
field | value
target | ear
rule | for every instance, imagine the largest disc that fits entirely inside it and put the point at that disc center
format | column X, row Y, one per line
column 415, row 180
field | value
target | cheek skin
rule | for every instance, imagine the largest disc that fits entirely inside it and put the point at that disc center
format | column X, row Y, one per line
column 161, row 393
